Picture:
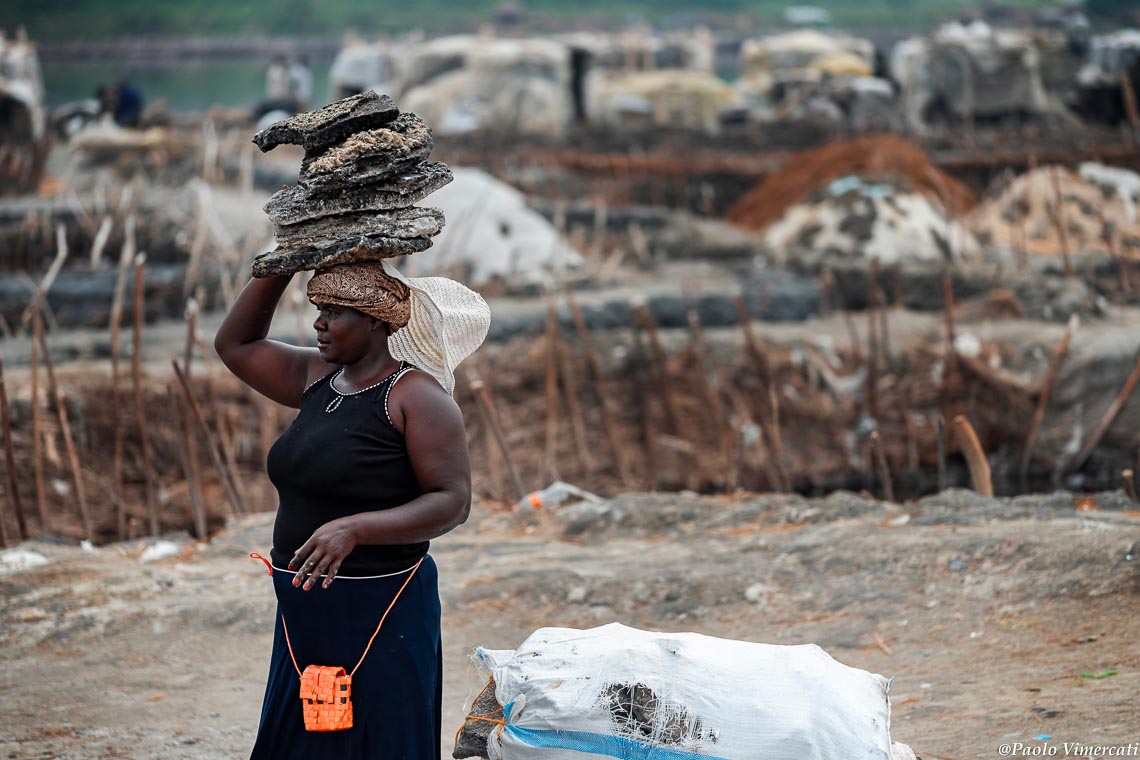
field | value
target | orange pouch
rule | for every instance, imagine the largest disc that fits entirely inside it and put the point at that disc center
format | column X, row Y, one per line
column 326, row 690
column 326, row 698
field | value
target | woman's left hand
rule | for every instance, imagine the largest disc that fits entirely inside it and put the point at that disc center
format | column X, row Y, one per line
column 323, row 553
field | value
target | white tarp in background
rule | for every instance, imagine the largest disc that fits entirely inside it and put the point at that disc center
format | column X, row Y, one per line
column 491, row 233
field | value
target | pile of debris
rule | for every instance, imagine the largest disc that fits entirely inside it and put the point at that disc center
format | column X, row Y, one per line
column 852, row 217
column 876, row 196
column 365, row 167
column 875, row 158
column 1054, row 211
column 967, row 72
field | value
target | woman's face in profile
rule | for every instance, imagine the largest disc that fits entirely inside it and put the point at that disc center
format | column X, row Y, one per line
column 344, row 335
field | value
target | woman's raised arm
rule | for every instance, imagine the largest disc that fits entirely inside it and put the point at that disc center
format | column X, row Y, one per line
column 273, row 369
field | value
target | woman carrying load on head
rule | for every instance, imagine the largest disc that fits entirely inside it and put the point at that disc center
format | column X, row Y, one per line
column 374, row 466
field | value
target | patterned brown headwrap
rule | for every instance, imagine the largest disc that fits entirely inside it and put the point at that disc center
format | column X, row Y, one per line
column 366, row 288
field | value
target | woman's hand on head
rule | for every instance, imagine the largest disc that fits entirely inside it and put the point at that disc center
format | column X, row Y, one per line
column 323, row 553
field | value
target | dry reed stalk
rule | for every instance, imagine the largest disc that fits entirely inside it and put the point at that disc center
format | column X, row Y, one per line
column 1109, row 415
column 881, row 466
column 65, row 426
column 599, row 386
column 100, row 242
column 975, row 456
column 552, row 403
column 38, row 300
column 10, row 461
column 136, row 384
column 1055, row 359
column 490, row 419
column 660, row 365
column 211, row 443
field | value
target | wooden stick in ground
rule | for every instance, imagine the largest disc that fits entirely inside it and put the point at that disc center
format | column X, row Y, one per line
column 574, row 407
column 948, row 304
column 37, row 440
column 711, row 399
column 136, row 385
column 126, row 258
column 940, row 426
column 769, row 418
column 10, row 461
column 609, row 423
column 1130, row 108
column 660, row 368
column 65, row 426
column 881, row 466
column 552, row 402
column 193, row 481
column 648, row 429
column 872, row 382
column 194, row 470
column 1109, row 415
column 227, row 424
column 489, row 419
column 1059, row 352
column 494, row 457
column 211, row 443
column 975, row 456
column 1129, row 485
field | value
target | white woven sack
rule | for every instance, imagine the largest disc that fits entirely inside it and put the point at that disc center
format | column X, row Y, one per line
column 619, row 692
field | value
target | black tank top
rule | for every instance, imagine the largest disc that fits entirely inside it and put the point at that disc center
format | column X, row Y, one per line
column 342, row 456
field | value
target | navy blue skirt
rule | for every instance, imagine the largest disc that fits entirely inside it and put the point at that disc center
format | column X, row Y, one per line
column 397, row 693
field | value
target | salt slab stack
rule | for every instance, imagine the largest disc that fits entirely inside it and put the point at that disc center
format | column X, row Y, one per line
column 365, row 168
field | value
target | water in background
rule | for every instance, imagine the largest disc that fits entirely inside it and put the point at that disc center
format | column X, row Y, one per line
column 185, row 85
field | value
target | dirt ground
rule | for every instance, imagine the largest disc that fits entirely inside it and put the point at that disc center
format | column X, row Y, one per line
column 988, row 613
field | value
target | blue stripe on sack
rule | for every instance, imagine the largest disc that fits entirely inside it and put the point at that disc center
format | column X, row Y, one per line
column 599, row 744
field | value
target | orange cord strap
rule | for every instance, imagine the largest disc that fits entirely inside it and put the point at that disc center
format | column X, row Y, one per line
column 481, row 718
column 268, row 565
column 375, row 633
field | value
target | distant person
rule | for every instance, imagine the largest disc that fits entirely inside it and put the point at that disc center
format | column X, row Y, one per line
column 277, row 80
column 123, row 101
column 278, row 90
column 301, row 82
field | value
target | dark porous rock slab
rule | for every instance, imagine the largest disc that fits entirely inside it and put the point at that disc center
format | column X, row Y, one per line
column 412, row 222
column 371, row 156
column 283, row 260
column 297, row 204
column 322, row 128
column 485, row 715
